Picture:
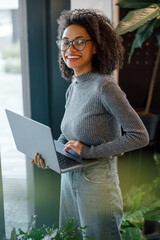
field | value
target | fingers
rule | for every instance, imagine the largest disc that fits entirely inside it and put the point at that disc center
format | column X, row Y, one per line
column 69, row 145
column 67, row 148
column 39, row 161
column 74, row 145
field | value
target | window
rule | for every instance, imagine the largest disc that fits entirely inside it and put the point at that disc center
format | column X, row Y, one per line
column 13, row 163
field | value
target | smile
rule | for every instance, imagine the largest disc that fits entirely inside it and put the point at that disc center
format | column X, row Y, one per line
column 72, row 57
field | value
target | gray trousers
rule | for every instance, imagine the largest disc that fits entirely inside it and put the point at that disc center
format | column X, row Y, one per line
column 92, row 195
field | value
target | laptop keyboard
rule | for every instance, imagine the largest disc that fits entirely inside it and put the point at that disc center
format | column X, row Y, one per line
column 66, row 162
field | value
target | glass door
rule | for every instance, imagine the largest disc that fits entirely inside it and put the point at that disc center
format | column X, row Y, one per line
column 13, row 163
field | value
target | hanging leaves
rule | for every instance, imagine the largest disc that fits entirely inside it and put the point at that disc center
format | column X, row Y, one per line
column 135, row 19
column 136, row 3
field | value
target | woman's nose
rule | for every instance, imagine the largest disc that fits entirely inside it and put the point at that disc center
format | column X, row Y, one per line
column 71, row 48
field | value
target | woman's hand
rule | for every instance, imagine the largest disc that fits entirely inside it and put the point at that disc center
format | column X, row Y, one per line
column 39, row 161
column 74, row 145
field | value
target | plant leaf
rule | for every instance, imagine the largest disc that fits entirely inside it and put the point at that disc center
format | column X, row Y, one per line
column 153, row 212
column 32, row 223
column 133, row 199
column 136, row 218
column 143, row 33
column 135, row 19
column 51, row 236
column 136, row 3
column 132, row 233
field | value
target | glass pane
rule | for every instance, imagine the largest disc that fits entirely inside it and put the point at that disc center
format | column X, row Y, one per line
column 13, row 162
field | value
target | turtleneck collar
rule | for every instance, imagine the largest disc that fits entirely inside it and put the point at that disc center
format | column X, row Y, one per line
column 84, row 77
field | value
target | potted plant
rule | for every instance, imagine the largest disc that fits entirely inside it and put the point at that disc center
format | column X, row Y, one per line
column 145, row 18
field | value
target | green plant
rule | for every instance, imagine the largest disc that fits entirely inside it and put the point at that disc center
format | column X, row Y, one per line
column 141, row 203
column 146, row 19
column 70, row 232
column 132, row 233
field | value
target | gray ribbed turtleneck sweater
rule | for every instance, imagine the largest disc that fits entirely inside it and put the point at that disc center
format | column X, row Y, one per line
column 96, row 109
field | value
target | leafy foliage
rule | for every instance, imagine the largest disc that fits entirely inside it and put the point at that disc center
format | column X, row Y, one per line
column 145, row 18
column 143, row 33
column 141, row 203
column 136, row 3
column 135, row 19
column 70, row 232
column 132, row 233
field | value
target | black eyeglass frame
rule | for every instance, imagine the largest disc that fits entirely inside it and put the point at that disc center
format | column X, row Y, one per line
column 85, row 41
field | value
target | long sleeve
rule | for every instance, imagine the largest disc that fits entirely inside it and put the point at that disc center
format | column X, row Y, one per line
column 95, row 111
column 134, row 133
column 62, row 139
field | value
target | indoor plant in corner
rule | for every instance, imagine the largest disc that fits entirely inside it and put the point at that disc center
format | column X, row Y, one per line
column 141, row 206
column 145, row 18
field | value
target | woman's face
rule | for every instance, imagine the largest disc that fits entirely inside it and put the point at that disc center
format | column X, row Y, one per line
column 79, row 61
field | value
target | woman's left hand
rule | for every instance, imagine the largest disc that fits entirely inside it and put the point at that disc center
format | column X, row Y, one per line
column 74, row 145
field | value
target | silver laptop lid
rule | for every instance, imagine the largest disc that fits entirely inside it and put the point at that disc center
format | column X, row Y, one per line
column 32, row 137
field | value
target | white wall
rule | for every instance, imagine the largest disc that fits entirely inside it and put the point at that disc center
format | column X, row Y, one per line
column 104, row 5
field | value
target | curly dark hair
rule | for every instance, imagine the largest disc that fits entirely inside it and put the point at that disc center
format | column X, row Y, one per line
column 109, row 49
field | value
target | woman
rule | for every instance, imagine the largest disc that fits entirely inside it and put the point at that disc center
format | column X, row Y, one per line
column 96, row 109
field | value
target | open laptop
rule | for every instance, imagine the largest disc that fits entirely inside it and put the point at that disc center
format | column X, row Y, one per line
column 32, row 137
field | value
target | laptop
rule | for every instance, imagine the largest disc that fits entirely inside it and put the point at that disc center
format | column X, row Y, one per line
column 32, row 137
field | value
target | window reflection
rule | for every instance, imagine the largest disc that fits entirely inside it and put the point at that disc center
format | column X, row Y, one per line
column 13, row 163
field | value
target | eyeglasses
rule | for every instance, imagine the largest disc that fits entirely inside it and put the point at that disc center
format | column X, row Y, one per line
column 78, row 44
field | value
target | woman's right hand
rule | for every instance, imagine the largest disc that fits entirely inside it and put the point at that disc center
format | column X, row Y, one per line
column 39, row 161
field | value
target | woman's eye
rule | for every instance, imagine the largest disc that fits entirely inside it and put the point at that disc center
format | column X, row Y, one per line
column 80, row 42
column 65, row 43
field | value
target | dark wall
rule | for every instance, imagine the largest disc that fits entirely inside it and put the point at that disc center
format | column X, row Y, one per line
column 135, row 77
column 138, row 167
column 57, row 85
column 47, row 96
